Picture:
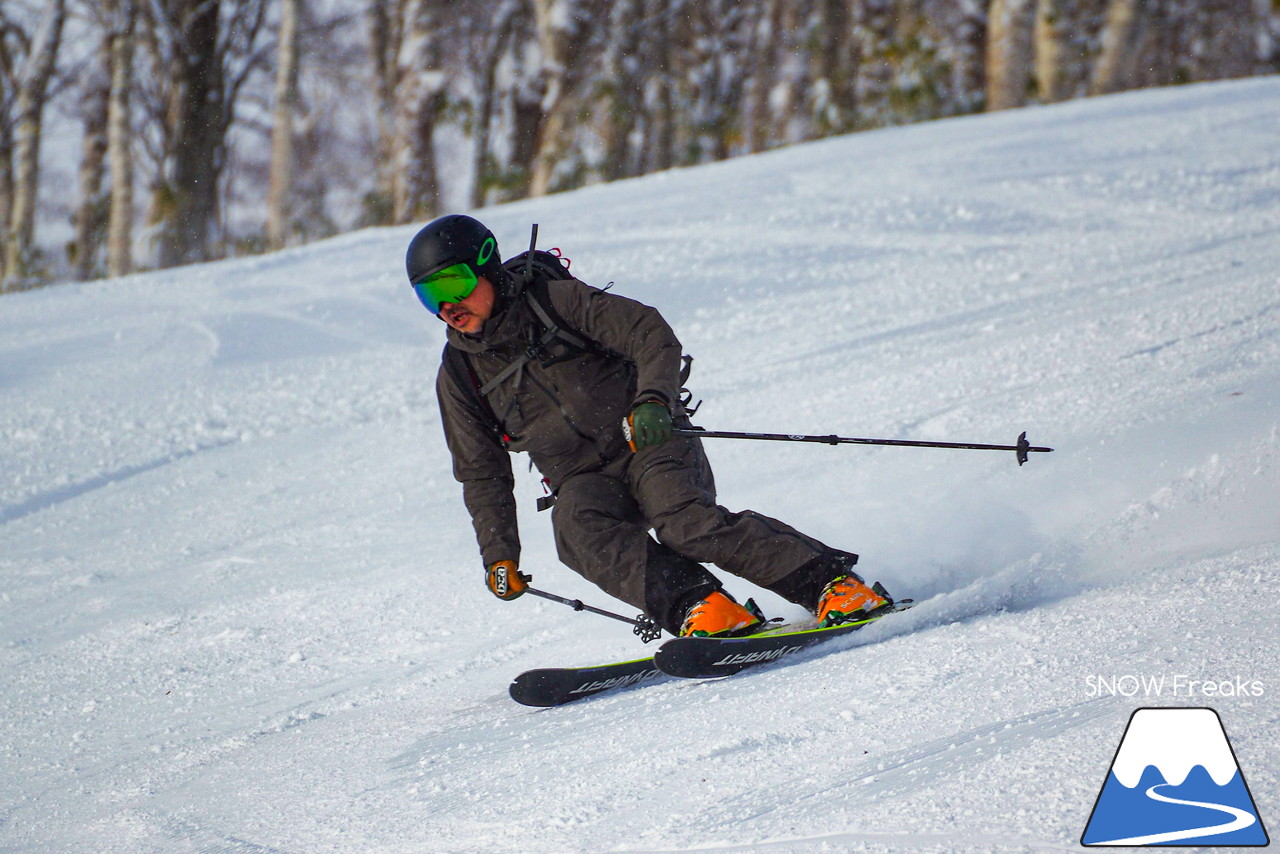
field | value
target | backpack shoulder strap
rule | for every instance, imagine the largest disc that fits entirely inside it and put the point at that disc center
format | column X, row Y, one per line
column 537, row 267
column 539, row 298
column 464, row 375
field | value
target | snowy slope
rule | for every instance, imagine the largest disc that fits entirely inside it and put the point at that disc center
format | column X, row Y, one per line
column 240, row 603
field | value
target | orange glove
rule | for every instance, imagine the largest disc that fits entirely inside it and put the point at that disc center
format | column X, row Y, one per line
column 506, row 581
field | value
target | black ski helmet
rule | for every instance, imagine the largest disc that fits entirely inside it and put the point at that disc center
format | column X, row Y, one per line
column 453, row 239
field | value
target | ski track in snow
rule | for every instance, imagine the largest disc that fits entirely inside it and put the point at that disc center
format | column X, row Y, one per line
column 241, row 609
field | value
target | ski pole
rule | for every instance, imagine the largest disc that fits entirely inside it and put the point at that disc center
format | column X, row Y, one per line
column 645, row 628
column 1022, row 448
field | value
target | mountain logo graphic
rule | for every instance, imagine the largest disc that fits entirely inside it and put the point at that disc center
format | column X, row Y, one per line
column 1175, row 781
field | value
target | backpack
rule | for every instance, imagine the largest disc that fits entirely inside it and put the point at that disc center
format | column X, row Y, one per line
column 536, row 267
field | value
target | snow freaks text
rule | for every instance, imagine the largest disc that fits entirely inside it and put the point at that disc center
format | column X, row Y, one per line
column 1175, row 685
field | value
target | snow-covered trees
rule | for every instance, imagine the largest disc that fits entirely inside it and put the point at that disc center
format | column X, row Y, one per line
column 260, row 123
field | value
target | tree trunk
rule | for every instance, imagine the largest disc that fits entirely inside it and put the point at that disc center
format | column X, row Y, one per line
column 483, row 168
column 88, row 217
column 1065, row 33
column 1122, row 36
column 1009, row 53
column 32, row 91
column 792, row 123
column 187, row 201
column 621, row 91
column 660, row 141
column 721, row 34
column 1053, row 32
column 553, row 40
column 418, row 186
column 6, row 193
column 420, row 101
column 527, row 115
column 279, row 191
column 877, row 28
column 120, row 139
column 561, row 28
column 763, row 46
column 526, row 129
column 386, row 34
column 839, row 59
column 971, row 52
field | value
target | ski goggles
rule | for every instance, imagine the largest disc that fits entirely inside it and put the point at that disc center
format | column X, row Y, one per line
column 452, row 284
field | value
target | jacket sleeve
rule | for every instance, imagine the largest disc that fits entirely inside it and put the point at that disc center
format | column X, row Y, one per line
column 627, row 327
column 483, row 467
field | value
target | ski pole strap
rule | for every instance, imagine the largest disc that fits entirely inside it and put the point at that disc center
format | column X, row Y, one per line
column 1022, row 448
column 645, row 628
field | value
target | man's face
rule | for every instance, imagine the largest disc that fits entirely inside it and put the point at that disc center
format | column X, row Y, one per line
column 469, row 314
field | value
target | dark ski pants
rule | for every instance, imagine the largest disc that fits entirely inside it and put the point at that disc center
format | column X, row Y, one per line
column 602, row 519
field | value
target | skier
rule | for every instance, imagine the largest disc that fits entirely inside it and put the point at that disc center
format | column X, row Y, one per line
column 553, row 367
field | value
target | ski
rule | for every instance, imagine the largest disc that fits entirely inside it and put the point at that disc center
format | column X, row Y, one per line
column 703, row 658
column 689, row 658
column 554, row 686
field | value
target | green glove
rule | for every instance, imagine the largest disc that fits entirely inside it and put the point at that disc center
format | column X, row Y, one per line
column 648, row 424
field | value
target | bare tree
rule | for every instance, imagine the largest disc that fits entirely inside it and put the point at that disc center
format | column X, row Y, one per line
column 284, row 110
column 331, row 149
column 557, row 26
column 968, row 47
column 664, row 32
column 31, row 83
column 1066, row 32
column 89, row 217
column 1009, row 53
column 422, row 95
column 720, row 32
column 1053, row 33
column 14, row 45
column 620, row 89
column 764, row 47
column 205, row 61
column 387, row 24
column 489, row 32
column 527, row 119
column 524, row 97
column 875, row 28
column 121, row 19
column 839, row 58
column 1127, row 26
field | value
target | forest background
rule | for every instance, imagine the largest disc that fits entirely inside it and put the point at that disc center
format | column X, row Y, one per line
column 140, row 134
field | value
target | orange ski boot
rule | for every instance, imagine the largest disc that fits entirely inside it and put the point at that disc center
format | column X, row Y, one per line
column 720, row 616
column 848, row 599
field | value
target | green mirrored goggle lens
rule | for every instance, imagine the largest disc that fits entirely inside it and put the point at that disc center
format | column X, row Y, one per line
column 452, row 284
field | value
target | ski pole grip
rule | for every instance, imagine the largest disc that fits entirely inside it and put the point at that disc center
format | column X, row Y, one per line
column 505, row 580
column 629, row 434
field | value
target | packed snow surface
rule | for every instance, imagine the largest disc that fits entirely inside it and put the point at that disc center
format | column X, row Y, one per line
column 241, row 605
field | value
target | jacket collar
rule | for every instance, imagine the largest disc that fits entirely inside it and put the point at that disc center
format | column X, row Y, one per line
column 503, row 328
